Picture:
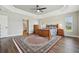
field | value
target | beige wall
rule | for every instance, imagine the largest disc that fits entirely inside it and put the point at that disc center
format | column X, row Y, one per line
column 32, row 22
column 15, row 23
column 61, row 20
column 15, row 26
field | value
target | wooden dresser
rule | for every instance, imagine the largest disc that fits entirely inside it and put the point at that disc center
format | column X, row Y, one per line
column 60, row 32
column 36, row 29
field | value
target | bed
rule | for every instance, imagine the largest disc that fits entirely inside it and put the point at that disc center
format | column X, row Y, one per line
column 49, row 31
column 53, row 29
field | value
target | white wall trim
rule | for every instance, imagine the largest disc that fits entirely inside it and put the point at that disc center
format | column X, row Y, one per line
column 13, row 35
column 72, row 36
column 10, row 36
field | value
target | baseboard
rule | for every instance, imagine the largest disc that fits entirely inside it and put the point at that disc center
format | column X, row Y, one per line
column 13, row 35
column 10, row 36
column 72, row 36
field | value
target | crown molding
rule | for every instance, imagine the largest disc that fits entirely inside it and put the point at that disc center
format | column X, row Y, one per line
column 63, row 10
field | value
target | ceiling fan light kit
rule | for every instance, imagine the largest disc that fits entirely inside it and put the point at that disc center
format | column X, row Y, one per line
column 38, row 10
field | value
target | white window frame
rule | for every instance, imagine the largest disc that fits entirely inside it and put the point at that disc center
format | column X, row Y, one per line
column 67, row 18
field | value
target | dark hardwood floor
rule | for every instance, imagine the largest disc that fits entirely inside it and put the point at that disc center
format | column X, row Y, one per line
column 7, row 46
column 66, row 45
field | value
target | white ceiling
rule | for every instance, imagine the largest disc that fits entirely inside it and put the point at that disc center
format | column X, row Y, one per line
column 52, row 10
column 31, row 8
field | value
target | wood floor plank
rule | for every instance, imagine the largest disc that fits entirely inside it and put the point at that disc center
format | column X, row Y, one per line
column 66, row 45
column 7, row 46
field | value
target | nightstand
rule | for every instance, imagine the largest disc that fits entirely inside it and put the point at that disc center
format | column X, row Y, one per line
column 60, row 32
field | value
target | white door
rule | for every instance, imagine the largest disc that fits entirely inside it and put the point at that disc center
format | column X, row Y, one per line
column 3, row 26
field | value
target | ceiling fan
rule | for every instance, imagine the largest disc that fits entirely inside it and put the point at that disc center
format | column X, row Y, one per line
column 39, row 9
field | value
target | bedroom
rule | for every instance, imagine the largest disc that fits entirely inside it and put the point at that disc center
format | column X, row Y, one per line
column 20, row 25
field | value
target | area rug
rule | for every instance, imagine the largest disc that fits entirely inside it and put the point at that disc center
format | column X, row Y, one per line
column 35, row 44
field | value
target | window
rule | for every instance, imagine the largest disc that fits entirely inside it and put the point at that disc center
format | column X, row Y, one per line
column 69, row 23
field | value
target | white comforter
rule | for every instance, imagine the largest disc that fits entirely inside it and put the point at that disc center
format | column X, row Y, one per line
column 53, row 31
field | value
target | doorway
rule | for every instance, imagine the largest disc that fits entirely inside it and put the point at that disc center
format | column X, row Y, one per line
column 25, row 27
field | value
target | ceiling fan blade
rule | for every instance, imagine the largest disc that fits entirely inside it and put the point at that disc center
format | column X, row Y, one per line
column 42, row 8
column 39, row 9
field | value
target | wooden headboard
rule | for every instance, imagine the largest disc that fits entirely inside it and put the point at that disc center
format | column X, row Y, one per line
column 51, row 26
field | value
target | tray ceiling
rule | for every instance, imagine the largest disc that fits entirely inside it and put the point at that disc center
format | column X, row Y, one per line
column 30, row 8
column 52, row 10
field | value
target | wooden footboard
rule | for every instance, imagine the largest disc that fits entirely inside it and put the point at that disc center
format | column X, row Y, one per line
column 44, row 33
